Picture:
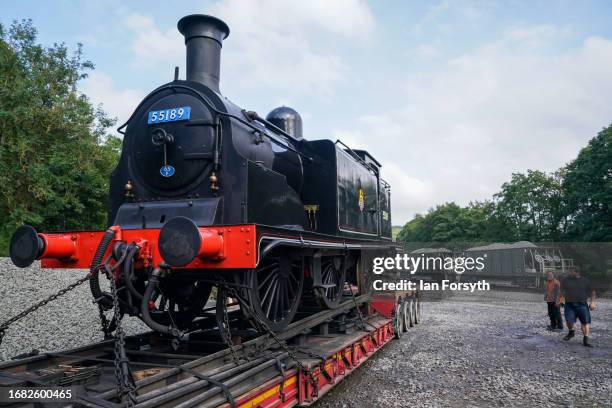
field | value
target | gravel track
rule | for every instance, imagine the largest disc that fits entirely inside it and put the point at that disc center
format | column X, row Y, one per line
column 472, row 350
column 482, row 351
column 70, row 321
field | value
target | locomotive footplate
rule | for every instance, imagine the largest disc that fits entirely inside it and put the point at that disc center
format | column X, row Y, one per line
column 293, row 367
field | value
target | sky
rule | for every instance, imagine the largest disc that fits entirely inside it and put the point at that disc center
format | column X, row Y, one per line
column 452, row 97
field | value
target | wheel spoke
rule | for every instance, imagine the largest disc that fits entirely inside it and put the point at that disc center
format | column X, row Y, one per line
column 272, row 298
column 291, row 288
column 332, row 276
column 269, row 276
column 266, row 267
column 276, row 287
column 265, row 296
column 296, row 280
column 282, row 297
column 275, row 301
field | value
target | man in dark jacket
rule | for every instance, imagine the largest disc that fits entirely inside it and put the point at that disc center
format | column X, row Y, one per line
column 579, row 302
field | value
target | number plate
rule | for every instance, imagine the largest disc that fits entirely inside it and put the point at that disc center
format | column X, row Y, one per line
column 169, row 115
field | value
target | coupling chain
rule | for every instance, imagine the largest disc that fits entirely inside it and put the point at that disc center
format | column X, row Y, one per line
column 363, row 321
column 104, row 323
column 108, row 270
column 282, row 344
column 228, row 332
column 5, row 325
column 123, row 376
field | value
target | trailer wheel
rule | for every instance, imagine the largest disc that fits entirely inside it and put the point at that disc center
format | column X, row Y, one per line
column 398, row 322
column 406, row 314
column 417, row 311
column 410, row 313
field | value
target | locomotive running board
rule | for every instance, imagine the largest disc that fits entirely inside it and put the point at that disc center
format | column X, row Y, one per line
column 264, row 372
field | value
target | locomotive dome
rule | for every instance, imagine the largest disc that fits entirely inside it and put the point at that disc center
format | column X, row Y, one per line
column 287, row 119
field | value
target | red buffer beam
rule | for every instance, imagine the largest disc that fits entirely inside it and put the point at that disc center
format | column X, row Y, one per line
column 216, row 247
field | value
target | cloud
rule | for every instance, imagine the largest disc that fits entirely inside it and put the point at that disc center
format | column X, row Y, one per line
column 150, row 43
column 275, row 46
column 512, row 104
column 344, row 18
column 119, row 103
column 445, row 17
column 407, row 192
column 280, row 46
column 428, row 50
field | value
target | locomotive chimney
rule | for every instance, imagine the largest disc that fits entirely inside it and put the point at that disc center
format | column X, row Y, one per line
column 204, row 36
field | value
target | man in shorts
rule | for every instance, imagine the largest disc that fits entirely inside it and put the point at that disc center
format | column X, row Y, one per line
column 579, row 302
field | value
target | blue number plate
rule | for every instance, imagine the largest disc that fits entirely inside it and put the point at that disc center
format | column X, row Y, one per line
column 169, row 115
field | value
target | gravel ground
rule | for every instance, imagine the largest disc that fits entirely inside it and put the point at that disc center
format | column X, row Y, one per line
column 491, row 352
column 69, row 321
column 472, row 350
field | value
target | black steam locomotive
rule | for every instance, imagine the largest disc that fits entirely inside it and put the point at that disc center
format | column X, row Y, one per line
column 208, row 194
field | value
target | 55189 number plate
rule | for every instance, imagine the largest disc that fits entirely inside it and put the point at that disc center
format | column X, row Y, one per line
column 169, row 115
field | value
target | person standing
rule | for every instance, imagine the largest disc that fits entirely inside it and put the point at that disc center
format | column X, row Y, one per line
column 579, row 302
column 552, row 296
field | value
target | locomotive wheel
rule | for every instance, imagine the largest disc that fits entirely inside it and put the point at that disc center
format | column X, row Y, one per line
column 180, row 303
column 332, row 273
column 220, row 311
column 274, row 288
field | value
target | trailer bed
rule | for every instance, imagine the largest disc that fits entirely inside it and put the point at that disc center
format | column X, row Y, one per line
column 296, row 368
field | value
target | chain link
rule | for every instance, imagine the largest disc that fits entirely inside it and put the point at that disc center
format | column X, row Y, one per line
column 262, row 325
column 282, row 344
column 363, row 321
column 125, row 381
column 104, row 323
column 228, row 332
column 123, row 376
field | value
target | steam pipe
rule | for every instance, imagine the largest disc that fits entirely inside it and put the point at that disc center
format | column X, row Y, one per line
column 144, row 308
column 128, row 270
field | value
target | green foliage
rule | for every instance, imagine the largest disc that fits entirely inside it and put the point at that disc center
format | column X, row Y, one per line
column 588, row 190
column 572, row 204
column 452, row 223
column 55, row 157
column 395, row 230
column 532, row 204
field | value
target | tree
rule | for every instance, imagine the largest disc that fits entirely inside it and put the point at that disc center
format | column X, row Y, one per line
column 413, row 230
column 532, row 204
column 485, row 223
column 452, row 223
column 55, row 157
column 574, row 203
column 587, row 187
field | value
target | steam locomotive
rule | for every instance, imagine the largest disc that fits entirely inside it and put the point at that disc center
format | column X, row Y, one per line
column 207, row 194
